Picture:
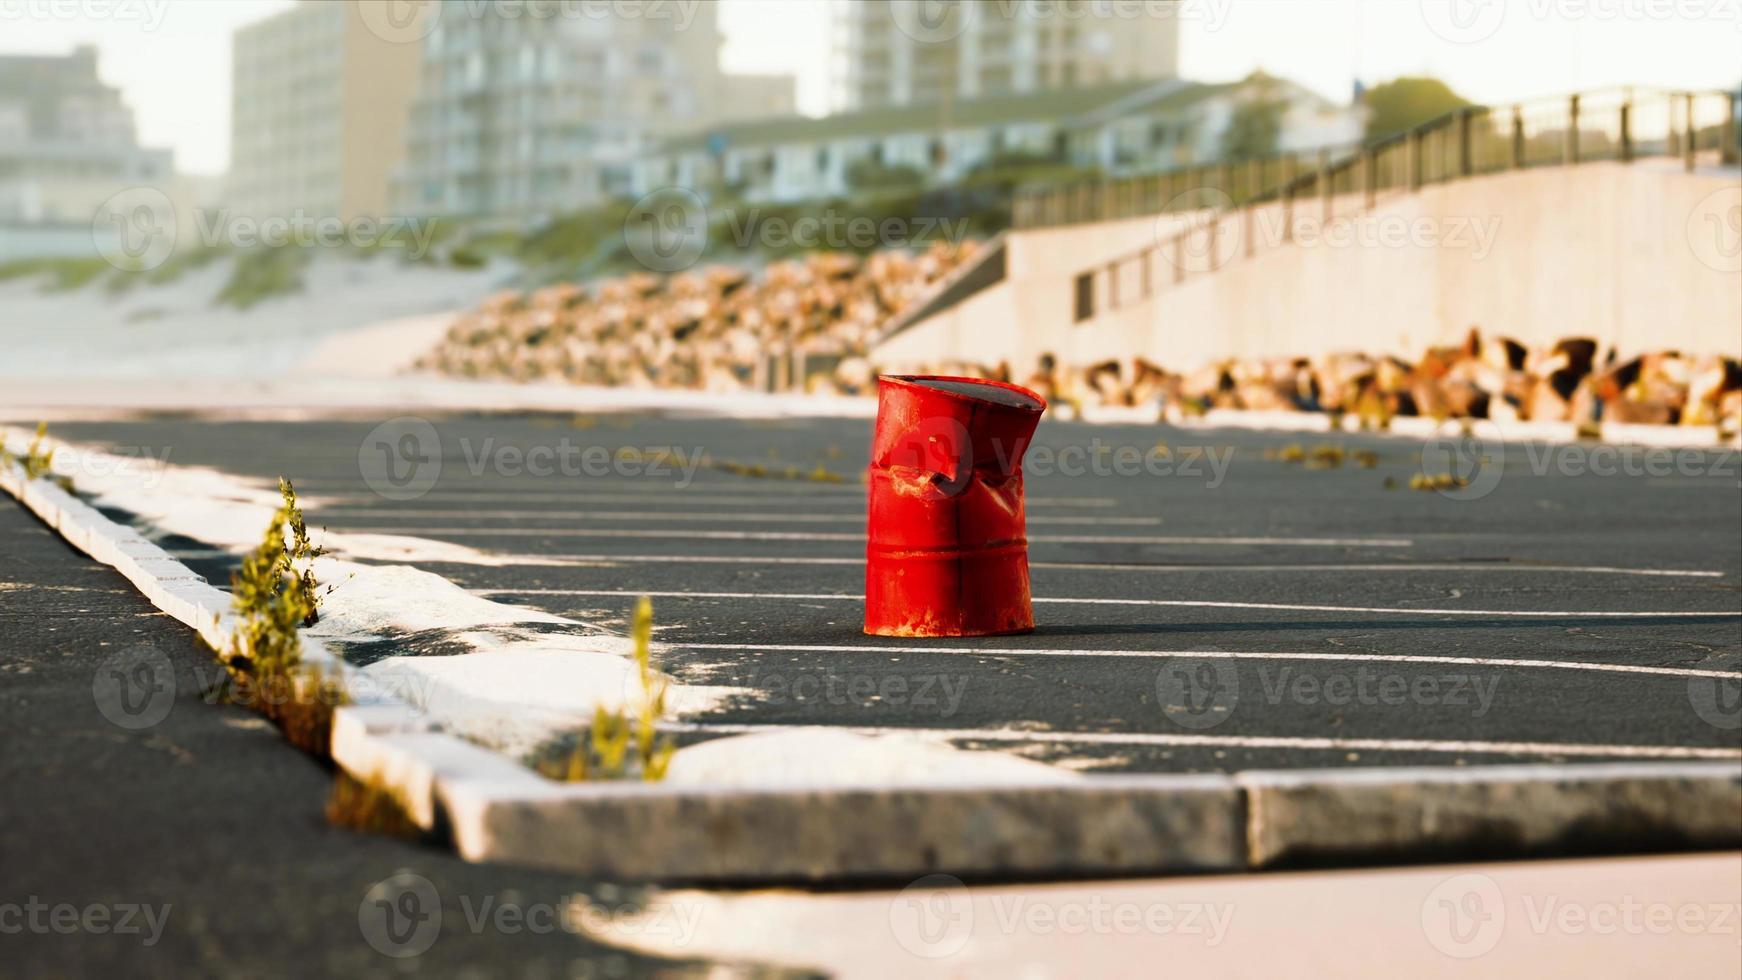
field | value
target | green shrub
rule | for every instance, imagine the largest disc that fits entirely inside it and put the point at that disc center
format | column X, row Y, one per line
column 264, row 659
column 262, row 273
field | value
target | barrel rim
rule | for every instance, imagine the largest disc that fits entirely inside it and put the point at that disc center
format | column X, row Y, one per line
column 918, row 382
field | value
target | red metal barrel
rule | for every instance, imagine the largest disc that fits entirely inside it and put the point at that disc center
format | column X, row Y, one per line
column 948, row 545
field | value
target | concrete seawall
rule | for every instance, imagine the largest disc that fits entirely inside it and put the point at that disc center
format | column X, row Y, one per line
column 1642, row 256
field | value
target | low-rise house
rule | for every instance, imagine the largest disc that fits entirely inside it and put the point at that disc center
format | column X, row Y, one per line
column 1121, row 127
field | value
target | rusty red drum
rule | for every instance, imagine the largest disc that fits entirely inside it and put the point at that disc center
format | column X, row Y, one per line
column 948, row 541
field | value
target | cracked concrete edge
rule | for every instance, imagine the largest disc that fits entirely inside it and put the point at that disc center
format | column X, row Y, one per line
column 494, row 809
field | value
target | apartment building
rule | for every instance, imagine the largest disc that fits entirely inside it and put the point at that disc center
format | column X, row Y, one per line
column 521, row 117
column 67, row 143
column 319, row 103
column 900, row 52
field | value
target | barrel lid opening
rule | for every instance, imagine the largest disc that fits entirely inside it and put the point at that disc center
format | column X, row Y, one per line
column 986, row 391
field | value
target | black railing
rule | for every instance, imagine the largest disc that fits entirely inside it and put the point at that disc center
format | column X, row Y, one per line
column 1620, row 124
column 1234, row 208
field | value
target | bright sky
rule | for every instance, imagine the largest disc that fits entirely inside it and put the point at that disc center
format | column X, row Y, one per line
column 171, row 58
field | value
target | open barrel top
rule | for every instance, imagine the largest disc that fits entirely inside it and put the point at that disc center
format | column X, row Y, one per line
column 992, row 392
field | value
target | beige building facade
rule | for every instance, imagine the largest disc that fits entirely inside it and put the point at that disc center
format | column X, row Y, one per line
column 319, row 103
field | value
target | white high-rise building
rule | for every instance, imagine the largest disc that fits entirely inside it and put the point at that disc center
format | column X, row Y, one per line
column 67, row 145
column 522, row 117
column 899, row 52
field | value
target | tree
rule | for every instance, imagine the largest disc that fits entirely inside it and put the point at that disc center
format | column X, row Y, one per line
column 1404, row 103
column 1256, row 125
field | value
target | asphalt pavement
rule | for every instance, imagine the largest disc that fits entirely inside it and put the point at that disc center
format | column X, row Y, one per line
column 1204, row 604
column 147, row 832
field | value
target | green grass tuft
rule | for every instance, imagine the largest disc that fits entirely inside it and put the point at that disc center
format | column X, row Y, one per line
column 616, row 745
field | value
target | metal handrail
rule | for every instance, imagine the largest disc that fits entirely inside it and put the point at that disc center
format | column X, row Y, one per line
column 1072, row 202
column 1421, row 153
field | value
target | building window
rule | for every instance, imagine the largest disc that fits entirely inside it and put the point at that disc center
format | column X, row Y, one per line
column 1085, row 299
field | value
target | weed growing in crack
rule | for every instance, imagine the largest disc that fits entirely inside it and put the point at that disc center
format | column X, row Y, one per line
column 616, row 745
column 370, row 806
column 759, row 471
column 272, row 600
column 1438, row 481
column 1324, row 456
column 37, row 462
column 300, row 549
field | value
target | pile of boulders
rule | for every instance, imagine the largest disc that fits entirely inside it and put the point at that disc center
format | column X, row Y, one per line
column 808, row 325
column 802, row 324
column 1486, row 377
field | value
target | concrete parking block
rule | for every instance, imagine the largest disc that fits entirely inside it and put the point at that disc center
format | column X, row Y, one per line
column 1100, row 825
column 1309, row 816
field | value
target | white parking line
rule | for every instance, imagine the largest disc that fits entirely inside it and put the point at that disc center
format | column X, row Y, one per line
column 695, row 494
column 1449, row 566
column 690, row 534
column 653, row 515
column 1243, row 741
column 532, row 561
column 1399, row 658
column 1195, row 603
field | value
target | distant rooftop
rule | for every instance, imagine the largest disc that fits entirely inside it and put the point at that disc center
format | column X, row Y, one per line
column 1061, row 104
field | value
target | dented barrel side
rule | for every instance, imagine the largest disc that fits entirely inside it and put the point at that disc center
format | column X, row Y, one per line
column 947, row 551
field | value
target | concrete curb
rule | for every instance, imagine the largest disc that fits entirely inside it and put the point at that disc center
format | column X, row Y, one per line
column 1101, row 825
column 494, row 809
column 1332, row 816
